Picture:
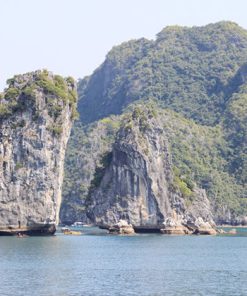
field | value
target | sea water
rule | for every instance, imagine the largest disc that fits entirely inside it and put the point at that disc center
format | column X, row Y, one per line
column 146, row 264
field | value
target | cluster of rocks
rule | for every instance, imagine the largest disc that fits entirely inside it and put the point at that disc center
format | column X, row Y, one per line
column 170, row 226
column 122, row 227
column 199, row 226
column 231, row 231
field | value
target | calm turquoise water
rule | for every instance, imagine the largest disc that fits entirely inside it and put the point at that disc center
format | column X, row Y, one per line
column 116, row 265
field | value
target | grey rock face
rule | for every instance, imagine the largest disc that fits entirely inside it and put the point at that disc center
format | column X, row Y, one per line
column 32, row 150
column 138, row 184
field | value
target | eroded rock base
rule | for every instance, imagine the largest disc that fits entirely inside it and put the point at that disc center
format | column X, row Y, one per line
column 179, row 226
column 122, row 227
column 173, row 226
column 38, row 230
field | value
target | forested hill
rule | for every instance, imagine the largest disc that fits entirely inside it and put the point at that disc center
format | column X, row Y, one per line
column 193, row 71
column 201, row 74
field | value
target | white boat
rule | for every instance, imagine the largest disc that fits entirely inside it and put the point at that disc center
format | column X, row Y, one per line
column 77, row 223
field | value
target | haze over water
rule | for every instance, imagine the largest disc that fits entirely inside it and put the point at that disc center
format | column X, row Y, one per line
column 117, row 265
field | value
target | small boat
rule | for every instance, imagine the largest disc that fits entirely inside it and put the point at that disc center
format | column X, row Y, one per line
column 68, row 231
column 77, row 223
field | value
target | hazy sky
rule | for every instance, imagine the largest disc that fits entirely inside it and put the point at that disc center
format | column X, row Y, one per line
column 72, row 37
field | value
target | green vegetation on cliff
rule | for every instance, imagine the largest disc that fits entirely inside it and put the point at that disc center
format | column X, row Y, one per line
column 22, row 91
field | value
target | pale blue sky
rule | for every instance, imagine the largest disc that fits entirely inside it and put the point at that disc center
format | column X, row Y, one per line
column 72, row 37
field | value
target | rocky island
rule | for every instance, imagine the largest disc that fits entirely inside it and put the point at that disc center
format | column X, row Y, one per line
column 139, row 186
column 36, row 114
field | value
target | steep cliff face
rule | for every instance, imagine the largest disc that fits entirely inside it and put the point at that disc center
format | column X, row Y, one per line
column 138, row 183
column 36, row 117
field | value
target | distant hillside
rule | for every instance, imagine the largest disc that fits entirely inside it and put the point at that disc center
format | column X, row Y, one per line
column 191, row 70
